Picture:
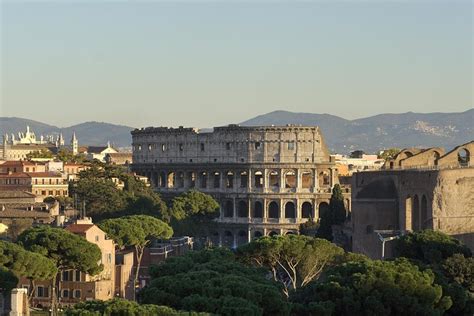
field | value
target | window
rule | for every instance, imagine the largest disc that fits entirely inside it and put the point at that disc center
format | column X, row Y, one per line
column 163, row 147
column 78, row 276
column 97, row 238
column 202, row 146
column 291, row 146
column 139, row 147
column 149, row 147
column 227, row 146
column 257, row 145
column 77, row 293
column 65, row 293
column 181, row 147
column 67, row 276
column 51, row 192
column 43, row 192
column 109, row 258
column 42, row 291
column 27, row 169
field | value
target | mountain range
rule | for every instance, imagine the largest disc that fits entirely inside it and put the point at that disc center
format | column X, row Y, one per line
column 369, row 134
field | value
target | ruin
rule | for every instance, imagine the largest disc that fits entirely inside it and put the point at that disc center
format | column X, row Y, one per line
column 268, row 179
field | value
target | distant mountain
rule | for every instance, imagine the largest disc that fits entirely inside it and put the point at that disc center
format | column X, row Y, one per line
column 381, row 131
column 89, row 133
column 369, row 134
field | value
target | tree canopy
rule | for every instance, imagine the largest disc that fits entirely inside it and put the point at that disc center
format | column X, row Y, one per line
column 429, row 246
column 336, row 214
column 372, row 287
column 119, row 307
column 294, row 260
column 213, row 281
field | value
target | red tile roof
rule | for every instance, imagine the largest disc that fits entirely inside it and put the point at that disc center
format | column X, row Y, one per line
column 79, row 228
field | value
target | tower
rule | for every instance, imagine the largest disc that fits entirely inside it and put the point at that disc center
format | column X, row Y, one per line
column 74, row 144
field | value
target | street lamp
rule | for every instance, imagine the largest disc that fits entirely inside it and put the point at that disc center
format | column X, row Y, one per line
column 385, row 239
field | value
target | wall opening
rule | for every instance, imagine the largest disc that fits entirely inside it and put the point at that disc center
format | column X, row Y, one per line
column 274, row 179
column 258, row 210
column 415, row 218
column 229, row 183
column 290, row 179
column 306, row 179
column 290, row 210
column 242, row 209
column 258, row 179
column 307, row 210
column 464, row 157
column 171, row 180
column 203, row 179
column 229, row 209
column 273, row 210
column 217, row 179
column 244, row 179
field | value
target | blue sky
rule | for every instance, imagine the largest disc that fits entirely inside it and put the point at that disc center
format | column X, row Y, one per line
column 212, row 63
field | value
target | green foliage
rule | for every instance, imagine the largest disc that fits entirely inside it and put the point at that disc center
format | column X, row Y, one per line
column 372, row 287
column 213, row 281
column 294, row 260
column 120, row 307
column 25, row 263
column 193, row 213
column 335, row 216
column 67, row 250
column 309, row 228
column 17, row 226
column 429, row 246
column 460, row 270
column 8, row 280
column 389, row 153
column 66, row 155
column 43, row 153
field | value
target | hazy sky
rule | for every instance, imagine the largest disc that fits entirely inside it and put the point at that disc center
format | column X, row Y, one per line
column 204, row 63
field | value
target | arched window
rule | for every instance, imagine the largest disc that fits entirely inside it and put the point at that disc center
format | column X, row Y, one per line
column 307, row 179
column 274, row 178
column 162, row 179
column 323, row 209
column 229, row 183
column 272, row 233
column 273, row 210
column 323, row 178
column 290, row 179
column 192, row 179
column 258, row 210
column 229, row 209
column 258, row 179
column 203, row 179
column 242, row 210
column 244, row 179
column 464, row 157
column 217, row 179
column 257, row 234
column 290, row 210
column 171, row 179
column 180, row 180
column 307, row 210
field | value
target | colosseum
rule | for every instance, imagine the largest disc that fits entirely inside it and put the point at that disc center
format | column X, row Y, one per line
column 268, row 180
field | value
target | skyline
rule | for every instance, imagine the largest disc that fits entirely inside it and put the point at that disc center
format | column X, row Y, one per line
column 211, row 64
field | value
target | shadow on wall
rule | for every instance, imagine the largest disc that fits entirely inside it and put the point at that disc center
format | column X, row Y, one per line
column 467, row 239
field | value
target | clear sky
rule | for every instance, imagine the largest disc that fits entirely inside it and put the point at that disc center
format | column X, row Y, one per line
column 209, row 63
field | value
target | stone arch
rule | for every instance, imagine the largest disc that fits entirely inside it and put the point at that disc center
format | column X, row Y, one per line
column 242, row 209
column 162, row 179
column 203, row 179
column 290, row 210
column 228, row 238
column 415, row 218
column 435, row 156
column 307, row 210
column 290, row 179
column 274, row 178
column 229, row 209
column 244, row 179
column 258, row 179
column 180, row 179
column 323, row 209
column 424, row 213
column 290, row 233
column 217, row 179
column 464, row 157
column 192, row 179
column 273, row 210
column 408, row 212
column 306, row 179
column 229, row 180
column 257, row 234
column 257, row 209
column 323, row 178
column 272, row 233
column 242, row 237
column 171, row 179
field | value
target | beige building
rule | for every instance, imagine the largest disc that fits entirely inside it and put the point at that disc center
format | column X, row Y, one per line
column 75, row 286
column 42, row 184
column 420, row 192
column 267, row 179
column 347, row 165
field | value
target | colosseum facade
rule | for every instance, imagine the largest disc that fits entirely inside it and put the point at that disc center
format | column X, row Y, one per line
column 268, row 180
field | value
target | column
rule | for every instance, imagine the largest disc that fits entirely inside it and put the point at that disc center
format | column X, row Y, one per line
column 282, row 210
column 298, row 179
column 315, row 180
column 249, row 213
column 234, row 243
column 265, row 211
column 250, row 180
column 235, row 209
column 282, row 179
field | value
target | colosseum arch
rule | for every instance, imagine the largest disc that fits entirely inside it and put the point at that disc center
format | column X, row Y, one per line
column 307, row 210
column 171, row 179
column 273, row 178
column 217, row 179
column 257, row 210
column 242, row 209
column 258, row 179
column 464, row 157
column 192, row 179
column 242, row 237
column 290, row 179
column 229, row 209
column 228, row 238
column 323, row 209
column 415, row 218
column 203, row 179
column 290, row 210
column 323, row 178
column 273, row 210
column 306, row 179
column 244, row 179
column 229, row 180
column 162, row 179
column 180, row 179
column 434, row 158
column 257, row 234
column 272, row 233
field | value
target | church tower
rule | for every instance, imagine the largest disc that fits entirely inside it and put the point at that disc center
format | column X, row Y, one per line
column 74, row 144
